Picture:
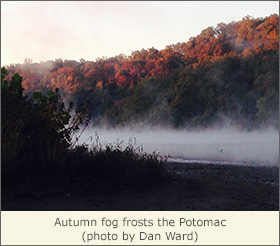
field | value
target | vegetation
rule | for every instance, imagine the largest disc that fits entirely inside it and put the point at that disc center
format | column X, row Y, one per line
column 128, row 167
column 38, row 144
column 226, row 74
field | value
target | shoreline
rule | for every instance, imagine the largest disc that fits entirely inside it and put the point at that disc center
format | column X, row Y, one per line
column 195, row 187
column 247, row 171
column 220, row 162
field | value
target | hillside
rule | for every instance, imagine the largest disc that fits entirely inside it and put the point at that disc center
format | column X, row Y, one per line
column 228, row 74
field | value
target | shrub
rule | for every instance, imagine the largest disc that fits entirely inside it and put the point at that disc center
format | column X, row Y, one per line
column 36, row 133
column 38, row 143
column 128, row 167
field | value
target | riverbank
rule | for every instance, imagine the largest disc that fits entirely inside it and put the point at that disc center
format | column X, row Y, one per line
column 194, row 187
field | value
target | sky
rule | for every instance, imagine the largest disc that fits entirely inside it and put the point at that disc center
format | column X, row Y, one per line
column 42, row 30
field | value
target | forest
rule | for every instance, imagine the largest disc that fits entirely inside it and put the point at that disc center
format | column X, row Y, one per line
column 227, row 75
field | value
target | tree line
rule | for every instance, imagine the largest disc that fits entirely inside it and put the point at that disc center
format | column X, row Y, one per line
column 228, row 74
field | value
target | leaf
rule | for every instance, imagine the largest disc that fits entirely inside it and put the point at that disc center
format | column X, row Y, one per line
column 51, row 93
column 37, row 95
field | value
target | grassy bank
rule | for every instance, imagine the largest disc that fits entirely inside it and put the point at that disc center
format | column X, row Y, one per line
column 111, row 165
column 38, row 145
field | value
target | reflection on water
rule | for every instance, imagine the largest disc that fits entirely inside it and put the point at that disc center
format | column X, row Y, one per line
column 226, row 146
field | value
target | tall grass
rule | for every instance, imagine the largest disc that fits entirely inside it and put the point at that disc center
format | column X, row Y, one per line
column 130, row 166
column 109, row 163
column 38, row 145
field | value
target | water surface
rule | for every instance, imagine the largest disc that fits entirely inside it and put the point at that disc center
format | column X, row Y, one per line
column 211, row 146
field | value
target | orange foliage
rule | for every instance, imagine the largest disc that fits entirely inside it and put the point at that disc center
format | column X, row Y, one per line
column 247, row 37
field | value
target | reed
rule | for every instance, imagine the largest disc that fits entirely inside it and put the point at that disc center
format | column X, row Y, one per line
column 38, row 144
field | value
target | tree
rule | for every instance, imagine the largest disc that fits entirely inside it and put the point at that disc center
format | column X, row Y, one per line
column 36, row 132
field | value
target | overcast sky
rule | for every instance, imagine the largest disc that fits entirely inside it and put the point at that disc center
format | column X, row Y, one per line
column 72, row 30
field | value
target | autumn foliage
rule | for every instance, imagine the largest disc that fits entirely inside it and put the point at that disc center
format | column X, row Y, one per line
column 227, row 72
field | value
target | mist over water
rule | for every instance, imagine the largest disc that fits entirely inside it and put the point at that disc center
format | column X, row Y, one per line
column 226, row 146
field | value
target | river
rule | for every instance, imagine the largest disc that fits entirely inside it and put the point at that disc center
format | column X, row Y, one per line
column 218, row 146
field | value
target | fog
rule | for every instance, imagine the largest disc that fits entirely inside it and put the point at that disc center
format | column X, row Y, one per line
column 218, row 146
